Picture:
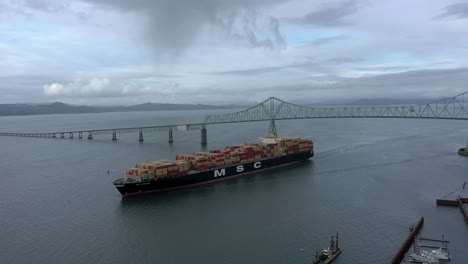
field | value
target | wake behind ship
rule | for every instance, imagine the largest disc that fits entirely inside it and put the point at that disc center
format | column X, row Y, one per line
column 217, row 165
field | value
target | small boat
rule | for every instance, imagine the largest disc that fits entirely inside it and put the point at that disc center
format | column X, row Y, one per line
column 328, row 254
column 423, row 258
column 440, row 254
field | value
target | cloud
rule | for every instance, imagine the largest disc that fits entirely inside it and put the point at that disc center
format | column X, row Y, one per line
column 310, row 64
column 171, row 26
column 384, row 68
column 174, row 25
column 457, row 11
column 92, row 87
column 85, row 87
column 118, row 52
column 343, row 60
column 275, row 25
column 21, row 88
column 260, row 70
column 434, row 83
column 327, row 40
column 29, row 7
column 331, row 15
column 409, row 84
column 55, row 89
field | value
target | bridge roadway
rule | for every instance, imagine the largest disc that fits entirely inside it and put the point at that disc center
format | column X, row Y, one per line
column 453, row 108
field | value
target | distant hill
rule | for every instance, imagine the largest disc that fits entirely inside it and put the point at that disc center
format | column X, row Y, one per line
column 61, row 108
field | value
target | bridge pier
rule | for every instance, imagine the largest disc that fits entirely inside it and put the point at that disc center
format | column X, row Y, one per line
column 80, row 135
column 71, row 135
column 140, row 136
column 204, row 137
column 464, row 151
column 62, row 135
column 272, row 129
column 90, row 136
column 114, row 136
column 54, row 135
column 171, row 139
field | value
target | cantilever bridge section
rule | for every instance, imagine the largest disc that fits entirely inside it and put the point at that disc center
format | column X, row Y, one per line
column 453, row 108
column 276, row 109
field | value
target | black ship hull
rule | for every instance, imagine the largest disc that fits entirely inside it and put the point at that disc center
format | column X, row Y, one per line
column 209, row 176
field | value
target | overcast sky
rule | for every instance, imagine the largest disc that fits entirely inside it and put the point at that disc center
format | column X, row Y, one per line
column 230, row 51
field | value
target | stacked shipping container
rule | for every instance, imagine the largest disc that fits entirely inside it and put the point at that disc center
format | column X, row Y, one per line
column 231, row 155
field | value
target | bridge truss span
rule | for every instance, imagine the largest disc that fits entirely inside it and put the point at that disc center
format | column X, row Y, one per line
column 454, row 108
column 276, row 109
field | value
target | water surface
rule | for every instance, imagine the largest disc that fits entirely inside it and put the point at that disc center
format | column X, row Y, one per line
column 370, row 179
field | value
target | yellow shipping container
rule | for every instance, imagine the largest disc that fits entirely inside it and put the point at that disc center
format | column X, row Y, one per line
column 142, row 172
column 139, row 165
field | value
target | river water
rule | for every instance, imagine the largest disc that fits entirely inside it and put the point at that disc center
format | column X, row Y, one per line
column 370, row 180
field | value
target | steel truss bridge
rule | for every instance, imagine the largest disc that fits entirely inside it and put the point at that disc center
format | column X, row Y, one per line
column 453, row 108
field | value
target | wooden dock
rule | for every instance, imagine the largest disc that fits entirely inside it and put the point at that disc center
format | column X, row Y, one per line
column 433, row 239
column 463, row 209
column 451, row 202
column 407, row 243
column 459, row 201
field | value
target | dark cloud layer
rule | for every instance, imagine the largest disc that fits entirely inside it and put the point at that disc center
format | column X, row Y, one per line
column 260, row 70
column 415, row 83
column 384, row 68
column 27, row 7
column 328, row 40
column 330, row 15
column 435, row 83
column 172, row 25
column 458, row 10
column 310, row 64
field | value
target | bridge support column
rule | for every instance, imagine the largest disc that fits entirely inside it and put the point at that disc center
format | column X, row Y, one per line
column 140, row 136
column 272, row 129
column 90, row 136
column 464, row 151
column 204, row 137
column 54, row 135
column 171, row 138
column 62, row 135
column 80, row 135
column 114, row 136
column 71, row 135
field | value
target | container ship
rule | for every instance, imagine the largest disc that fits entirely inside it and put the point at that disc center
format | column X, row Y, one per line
column 216, row 165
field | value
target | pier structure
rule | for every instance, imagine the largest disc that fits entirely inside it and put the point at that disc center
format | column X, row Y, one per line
column 400, row 254
column 204, row 135
column 171, row 138
column 461, row 202
column 140, row 136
